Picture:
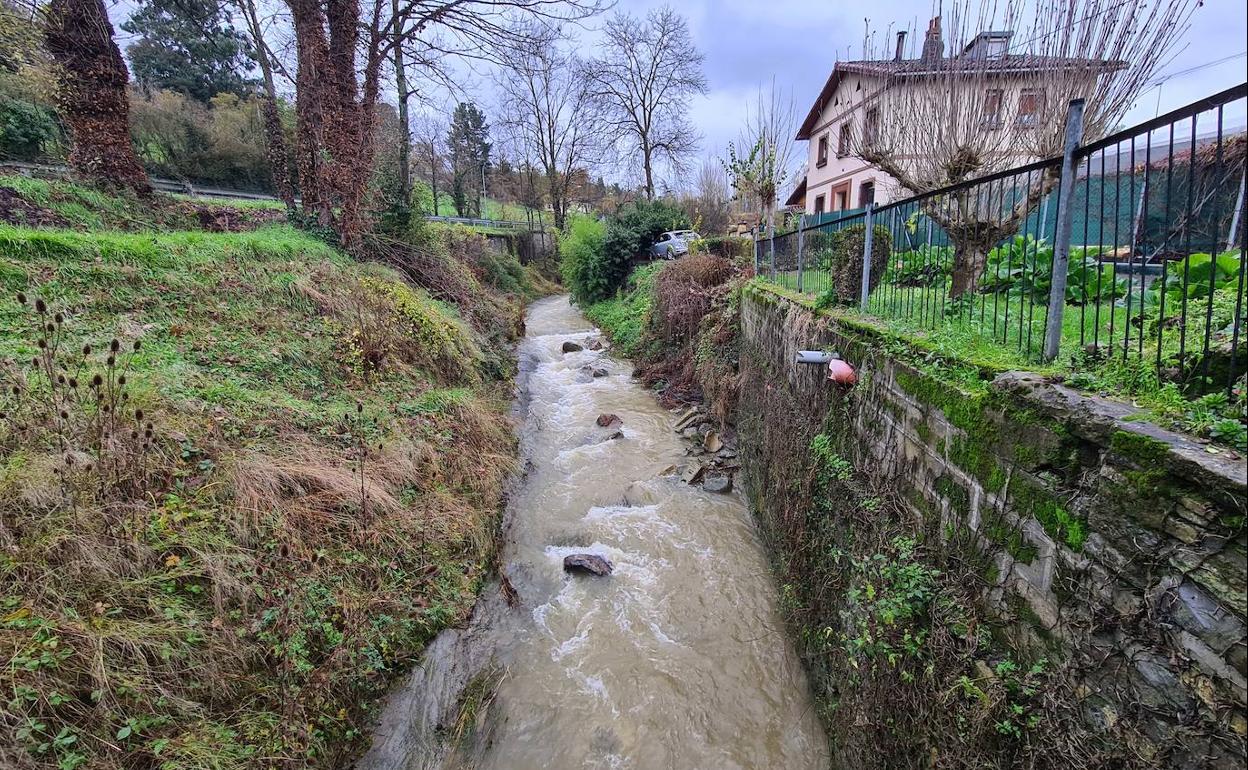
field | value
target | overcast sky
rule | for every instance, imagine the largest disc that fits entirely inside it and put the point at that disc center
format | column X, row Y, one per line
column 747, row 43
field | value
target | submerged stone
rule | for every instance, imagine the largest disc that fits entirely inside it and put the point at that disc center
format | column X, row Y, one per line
column 607, row 420
column 718, row 484
column 589, row 563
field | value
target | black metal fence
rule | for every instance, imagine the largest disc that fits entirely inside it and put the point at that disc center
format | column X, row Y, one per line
column 1144, row 262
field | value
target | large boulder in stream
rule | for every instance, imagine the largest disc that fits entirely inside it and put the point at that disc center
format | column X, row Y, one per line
column 589, row 563
column 609, row 421
column 571, row 347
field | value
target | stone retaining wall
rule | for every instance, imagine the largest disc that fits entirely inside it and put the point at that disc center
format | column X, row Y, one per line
column 1112, row 543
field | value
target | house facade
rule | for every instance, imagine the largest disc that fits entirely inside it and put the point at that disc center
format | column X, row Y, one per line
column 1010, row 93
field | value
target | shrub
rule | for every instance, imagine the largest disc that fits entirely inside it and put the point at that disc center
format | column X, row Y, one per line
column 580, row 249
column 728, row 247
column 28, row 131
column 596, row 266
column 840, row 254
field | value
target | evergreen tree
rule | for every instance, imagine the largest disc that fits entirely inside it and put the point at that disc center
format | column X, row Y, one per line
column 188, row 46
column 469, row 144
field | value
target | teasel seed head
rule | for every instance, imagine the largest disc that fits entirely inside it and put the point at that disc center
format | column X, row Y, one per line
column 111, row 361
column 86, row 350
column 59, row 318
column 40, row 305
column 121, row 380
column 73, row 382
column 138, row 415
column 115, row 345
column 96, row 381
column 50, row 327
column 21, row 298
column 137, row 344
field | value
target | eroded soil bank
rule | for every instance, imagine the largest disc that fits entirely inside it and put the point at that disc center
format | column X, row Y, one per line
column 678, row 659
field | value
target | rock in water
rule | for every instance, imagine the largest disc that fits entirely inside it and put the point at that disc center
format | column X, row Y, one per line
column 571, row 347
column 590, row 563
column 609, row 421
column 719, row 484
column 599, row 372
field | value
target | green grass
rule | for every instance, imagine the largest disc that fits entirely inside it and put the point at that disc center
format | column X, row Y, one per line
column 998, row 333
column 493, row 209
column 624, row 317
column 247, row 605
column 85, row 208
column 237, row 203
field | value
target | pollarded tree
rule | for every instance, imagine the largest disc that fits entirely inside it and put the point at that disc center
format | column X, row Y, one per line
column 648, row 72
column 1000, row 101
column 91, row 93
column 469, row 143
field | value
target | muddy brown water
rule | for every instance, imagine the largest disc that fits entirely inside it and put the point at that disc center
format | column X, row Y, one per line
column 678, row 660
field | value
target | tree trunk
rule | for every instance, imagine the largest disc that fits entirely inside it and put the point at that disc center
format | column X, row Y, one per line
column 276, row 151
column 433, row 175
column 91, row 92
column 400, row 81
column 969, row 258
column 646, row 162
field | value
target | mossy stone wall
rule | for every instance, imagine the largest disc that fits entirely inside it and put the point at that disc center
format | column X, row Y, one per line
column 1113, row 547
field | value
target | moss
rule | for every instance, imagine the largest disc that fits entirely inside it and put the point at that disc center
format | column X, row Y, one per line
column 1138, row 448
column 1029, row 498
column 957, row 495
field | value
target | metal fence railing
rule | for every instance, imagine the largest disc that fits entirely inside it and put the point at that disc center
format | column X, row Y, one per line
column 1144, row 259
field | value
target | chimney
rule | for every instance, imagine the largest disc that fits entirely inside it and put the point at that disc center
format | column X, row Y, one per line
column 933, row 44
column 901, row 46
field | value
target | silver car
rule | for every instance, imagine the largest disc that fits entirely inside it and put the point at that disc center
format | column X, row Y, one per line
column 672, row 244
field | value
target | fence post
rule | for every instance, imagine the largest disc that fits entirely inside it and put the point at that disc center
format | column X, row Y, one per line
column 800, row 237
column 866, row 256
column 754, row 237
column 1061, row 235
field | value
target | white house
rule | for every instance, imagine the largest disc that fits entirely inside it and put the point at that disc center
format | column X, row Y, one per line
column 1013, row 99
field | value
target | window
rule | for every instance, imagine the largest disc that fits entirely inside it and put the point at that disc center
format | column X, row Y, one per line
column 993, row 98
column 844, row 139
column 866, row 193
column 842, row 200
column 871, row 130
column 823, row 152
column 1030, row 105
column 820, row 204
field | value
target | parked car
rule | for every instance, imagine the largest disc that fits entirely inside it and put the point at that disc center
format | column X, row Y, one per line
column 673, row 244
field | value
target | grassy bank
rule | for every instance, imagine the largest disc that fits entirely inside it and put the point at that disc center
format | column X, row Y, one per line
column 243, row 480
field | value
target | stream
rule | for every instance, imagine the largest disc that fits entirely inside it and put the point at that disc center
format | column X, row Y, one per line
column 678, row 659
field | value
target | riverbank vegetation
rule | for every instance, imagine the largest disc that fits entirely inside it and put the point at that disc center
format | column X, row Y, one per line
column 244, row 478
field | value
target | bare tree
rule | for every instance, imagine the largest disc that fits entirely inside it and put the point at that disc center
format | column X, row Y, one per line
column 711, row 198
column 428, row 135
column 761, row 160
column 937, row 120
column 551, row 110
column 648, row 72
column 91, row 91
column 343, row 47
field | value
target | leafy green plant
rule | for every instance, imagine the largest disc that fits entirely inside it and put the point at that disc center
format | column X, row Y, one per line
column 1023, row 267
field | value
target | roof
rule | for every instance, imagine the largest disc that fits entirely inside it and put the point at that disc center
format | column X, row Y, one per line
column 909, row 68
column 798, row 196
